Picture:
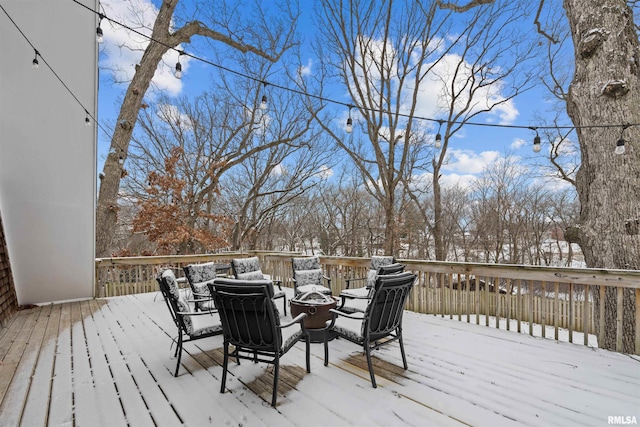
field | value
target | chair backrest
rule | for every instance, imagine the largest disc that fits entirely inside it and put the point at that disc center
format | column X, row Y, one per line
column 198, row 274
column 176, row 303
column 247, row 313
column 247, row 268
column 372, row 275
column 307, row 271
column 378, row 261
column 384, row 312
column 394, row 268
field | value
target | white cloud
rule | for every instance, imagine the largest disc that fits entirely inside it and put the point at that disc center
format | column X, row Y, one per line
column 469, row 162
column 452, row 69
column 455, row 180
column 278, row 170
column 325, row 172
column 518, row 143
column 123, row 49
column 170, row 114
column 305, row 70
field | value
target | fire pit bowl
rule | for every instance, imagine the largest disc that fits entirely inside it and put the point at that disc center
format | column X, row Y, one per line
column 316, row 305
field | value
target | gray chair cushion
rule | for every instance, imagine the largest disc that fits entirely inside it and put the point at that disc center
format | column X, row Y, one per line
column 251, row 275
column 245, row 265
column 308, row 277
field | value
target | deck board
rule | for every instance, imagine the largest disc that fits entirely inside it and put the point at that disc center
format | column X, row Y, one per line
column 110, row 362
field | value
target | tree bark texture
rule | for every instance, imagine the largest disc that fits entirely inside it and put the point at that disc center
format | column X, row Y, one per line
column 606, row 91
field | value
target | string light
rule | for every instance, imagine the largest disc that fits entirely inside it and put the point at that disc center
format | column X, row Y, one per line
column 35, row 64
column 619, row 145
column 87, row 120
column 620, row 148
column 178, row 72
column 263, row 102
column 438, row 143
column 536, row 140
column 349, row 121
column 99, row 34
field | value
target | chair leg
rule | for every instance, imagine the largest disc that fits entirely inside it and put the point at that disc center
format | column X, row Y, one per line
column 276, row 372
column 367, row 350
column 326, row 348
column 225, row 363
column 284, row 304
column 178, row 353
column 308, row 349
column 404, row 357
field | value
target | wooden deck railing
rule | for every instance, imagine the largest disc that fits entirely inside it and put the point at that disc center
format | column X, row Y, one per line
column 524, row 296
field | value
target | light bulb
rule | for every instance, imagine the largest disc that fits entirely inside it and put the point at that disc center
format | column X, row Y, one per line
column 87, row 121
column 263, row 103
column 35, row 63
column 99, row 35
column 536, row 144
column 349, row 125
column 620, row 149
column 438, row 143
column 178, row 72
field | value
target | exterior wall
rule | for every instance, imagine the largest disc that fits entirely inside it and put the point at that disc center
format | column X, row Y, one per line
column 8, row 299
column 47, row 154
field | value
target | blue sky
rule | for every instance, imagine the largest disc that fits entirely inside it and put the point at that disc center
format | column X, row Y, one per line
column 472, row 149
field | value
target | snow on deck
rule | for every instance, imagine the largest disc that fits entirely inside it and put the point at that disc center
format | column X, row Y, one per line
column 109, row 362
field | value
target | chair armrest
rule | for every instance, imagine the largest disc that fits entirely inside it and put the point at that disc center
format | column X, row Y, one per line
column 198, row 294
column 297, row 319
column 328, row 279
column 195, row 313
column 355, row 279
column 356, row 316
column 277, row 283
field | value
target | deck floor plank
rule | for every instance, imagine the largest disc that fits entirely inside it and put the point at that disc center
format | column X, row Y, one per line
column 146, row 386
column 36, row 406
column 86, row 406
column 109, row 362
column 24, row 356
column 61, row 401
column 112, row 380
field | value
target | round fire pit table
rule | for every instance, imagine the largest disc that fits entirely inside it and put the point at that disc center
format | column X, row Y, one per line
column 316, row 305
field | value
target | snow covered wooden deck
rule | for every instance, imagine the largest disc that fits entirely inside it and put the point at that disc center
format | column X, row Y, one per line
column 108, row 362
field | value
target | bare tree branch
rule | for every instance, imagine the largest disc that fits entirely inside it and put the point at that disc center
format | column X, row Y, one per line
column 456, row 8
column 539, row 27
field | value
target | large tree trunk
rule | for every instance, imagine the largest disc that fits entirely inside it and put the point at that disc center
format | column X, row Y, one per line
column 606, row 90
column 437, row 230
column 107, row 205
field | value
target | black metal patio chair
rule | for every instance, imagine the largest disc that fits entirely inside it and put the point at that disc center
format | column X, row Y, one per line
column 366, row 291
column 198, row 275
column 252, row 325
column 249, row 269
column 368, row 281
column 381, row 322
column 191, row 325
column 308, row 276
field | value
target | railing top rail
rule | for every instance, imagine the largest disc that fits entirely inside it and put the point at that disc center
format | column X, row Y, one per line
column 588, row 276
column 165, row 259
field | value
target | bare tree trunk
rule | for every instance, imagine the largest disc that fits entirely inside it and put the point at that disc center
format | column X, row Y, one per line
column 107, row 206
column 606, row 90
column 437, row 231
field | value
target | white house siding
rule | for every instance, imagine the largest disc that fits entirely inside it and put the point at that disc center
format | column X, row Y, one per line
column 47, row 154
